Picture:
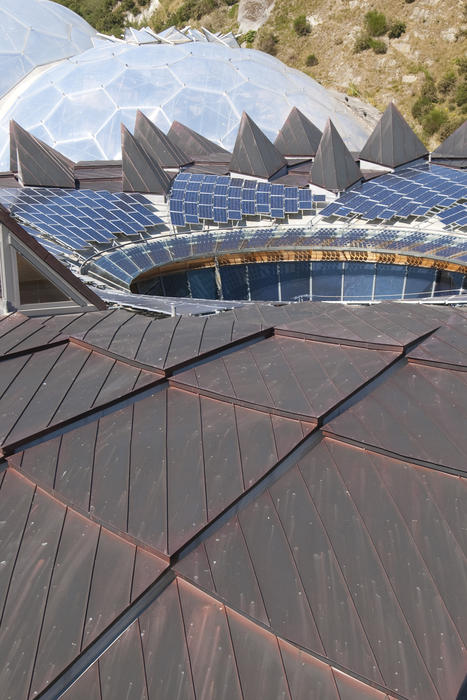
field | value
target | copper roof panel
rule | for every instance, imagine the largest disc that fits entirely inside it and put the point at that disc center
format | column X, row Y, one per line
column 57, row 563
column 162, row 467
column 289, row 374
column 57, row 383
column 408, row 413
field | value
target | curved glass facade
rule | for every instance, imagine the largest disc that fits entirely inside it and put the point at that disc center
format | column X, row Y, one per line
column 78, row 105
column 301, row 280
column 37, row 32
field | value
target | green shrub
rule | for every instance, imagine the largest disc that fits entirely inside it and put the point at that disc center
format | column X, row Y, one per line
column 447, row 83
column 375, row 23
column 311, row 60
column 378, row 46
column 433, row 120
column 248, row 37
column 396, row 29
column 301, row 25
column 428, row 89
column 420, row 107
column 362, row 43
column 267, row 42
column 462, row 65
column 461, row 95
column 450, row 126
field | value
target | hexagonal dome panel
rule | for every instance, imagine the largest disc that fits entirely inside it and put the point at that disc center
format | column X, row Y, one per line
column 37, row 32
column 203, row 85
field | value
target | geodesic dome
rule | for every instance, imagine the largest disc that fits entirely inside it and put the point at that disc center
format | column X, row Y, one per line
column 37, row 32
column 78, row 105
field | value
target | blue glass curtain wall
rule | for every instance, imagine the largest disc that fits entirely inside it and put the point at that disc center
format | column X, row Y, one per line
column 318, row 281
column 294, row 280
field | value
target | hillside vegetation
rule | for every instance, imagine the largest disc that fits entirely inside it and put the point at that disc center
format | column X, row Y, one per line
column 411, row 51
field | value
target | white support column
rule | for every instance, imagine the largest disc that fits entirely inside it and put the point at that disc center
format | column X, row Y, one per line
column 404, row 284
column 373, row 287
column 8, row 273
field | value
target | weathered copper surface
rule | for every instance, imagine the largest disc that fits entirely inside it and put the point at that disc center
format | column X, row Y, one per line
column 266, row 503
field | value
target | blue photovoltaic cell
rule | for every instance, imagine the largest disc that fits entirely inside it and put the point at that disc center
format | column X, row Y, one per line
column 277, row 189
column 206, row 211
column 248, row 207
column 276, row 201
column 178, row 194
column 177, row 219
column 240, row 197
column 248, row 194
column 291, row 206
column 207, row 187
column 410, row 191
column 220, row 216
column 193, row 187
column 79, row 218
column 304, row 199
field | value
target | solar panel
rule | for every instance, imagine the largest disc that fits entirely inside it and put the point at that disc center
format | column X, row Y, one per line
column 191, row 196
column 249, row 194
column 220, row 200
column 248, row 207
column 277, row 213
column 220, row 216
column 304, row 199
column 80, row 218
column 291, row 206
column 177, row 219
column 206, row 211
column 415, row 191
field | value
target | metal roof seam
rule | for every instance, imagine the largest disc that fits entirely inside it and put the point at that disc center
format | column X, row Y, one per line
column 388, row 578
column 297, row 645
column 106, row 638
column 86, row 416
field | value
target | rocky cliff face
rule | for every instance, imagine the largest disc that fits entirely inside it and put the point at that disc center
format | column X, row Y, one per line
column 252, row 14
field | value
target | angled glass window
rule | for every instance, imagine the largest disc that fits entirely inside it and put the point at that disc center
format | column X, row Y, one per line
column 34, row 288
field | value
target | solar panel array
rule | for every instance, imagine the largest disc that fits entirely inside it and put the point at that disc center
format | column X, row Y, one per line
column 123, row 264
column 197, row 197
column 72, row 220
column 419, row 191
